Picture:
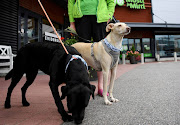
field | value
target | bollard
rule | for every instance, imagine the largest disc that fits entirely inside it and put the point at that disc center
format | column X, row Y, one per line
column 175, row 56
column 158, row 57
column 123, row 59
column 142, row 58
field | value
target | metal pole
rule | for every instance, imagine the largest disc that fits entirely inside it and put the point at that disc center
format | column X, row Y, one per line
column 175, row 56
column 123, row 59
column 142, row 58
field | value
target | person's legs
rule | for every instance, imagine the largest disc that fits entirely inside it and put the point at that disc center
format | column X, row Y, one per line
column 100, row 83
column 83, row 27
column 99, row 33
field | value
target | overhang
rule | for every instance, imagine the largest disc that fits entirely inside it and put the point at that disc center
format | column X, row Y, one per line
column 153, row 25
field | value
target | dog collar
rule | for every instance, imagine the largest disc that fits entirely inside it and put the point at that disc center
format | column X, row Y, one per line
column 110, row 46
column 76, row 57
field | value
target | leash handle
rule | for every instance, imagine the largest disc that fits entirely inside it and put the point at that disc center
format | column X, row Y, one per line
column 52, row 26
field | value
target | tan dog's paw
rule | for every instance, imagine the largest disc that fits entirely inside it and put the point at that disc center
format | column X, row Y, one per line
column 107, row 102
column 114, row 100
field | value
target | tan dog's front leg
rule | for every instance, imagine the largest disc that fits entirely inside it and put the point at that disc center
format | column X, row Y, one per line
column 105, row 85
column 113, row 75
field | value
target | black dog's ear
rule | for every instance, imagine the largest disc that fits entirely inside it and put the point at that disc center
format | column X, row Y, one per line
column 93, row 88
column 64, row 90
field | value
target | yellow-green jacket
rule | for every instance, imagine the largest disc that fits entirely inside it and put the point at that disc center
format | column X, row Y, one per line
column 105, row 10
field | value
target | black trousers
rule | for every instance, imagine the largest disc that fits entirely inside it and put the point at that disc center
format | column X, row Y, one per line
column 88, row 27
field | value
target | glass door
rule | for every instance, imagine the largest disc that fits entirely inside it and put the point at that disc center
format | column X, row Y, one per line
column 28, row 28
column 22, row 31
column 147, row 47
column 138, row 45
column 32, row 29
column 131, row 43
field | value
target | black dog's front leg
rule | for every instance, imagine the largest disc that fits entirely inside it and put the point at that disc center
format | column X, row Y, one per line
column 55, row 93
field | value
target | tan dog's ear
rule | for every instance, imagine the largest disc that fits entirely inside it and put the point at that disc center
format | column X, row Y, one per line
column 109, row 27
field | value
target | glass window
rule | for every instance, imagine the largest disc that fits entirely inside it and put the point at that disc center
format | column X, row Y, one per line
column 32, row 29
column 22, row 30
column 131, row 43
column 176, row 39
column 138, row 45
column 48, row 31
column 147, row 47
column 125, row 44
column 167, row 44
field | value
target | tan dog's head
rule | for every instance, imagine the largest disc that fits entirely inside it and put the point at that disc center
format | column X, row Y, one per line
column 118, row 28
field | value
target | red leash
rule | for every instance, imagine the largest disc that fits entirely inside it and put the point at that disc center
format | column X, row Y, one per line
column 52, row 26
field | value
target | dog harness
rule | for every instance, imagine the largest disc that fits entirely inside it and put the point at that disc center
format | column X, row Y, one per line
column 110, row 49
column 76, row 57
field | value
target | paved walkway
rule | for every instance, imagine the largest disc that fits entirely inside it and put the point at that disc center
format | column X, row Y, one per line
column 42, row 109
column 148, row 94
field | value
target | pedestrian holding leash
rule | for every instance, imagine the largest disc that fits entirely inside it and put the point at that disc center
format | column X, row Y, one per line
column 89, row 19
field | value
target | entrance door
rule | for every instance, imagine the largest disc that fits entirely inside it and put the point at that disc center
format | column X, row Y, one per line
column 136, row 43
column 28, row 28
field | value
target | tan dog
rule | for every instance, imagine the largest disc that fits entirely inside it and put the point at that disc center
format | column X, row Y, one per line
column 101, row 59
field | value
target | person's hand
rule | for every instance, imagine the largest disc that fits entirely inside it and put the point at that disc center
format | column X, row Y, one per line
column 72, row 25
column 108, row 21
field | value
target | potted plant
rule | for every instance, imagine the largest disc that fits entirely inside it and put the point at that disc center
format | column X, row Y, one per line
column 70, row 41
column 133, row 56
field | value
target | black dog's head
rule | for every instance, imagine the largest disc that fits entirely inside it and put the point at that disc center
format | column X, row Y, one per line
column 77, row 99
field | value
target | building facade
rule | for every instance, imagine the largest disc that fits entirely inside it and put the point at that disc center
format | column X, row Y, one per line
column 155, row 29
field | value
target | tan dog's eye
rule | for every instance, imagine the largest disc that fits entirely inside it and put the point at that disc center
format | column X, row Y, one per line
column 119, row 25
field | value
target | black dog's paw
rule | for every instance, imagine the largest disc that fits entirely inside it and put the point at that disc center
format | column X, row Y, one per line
column 25, row 103
column 7, row 105
column 68, row 118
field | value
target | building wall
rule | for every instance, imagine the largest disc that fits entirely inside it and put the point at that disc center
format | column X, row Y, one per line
column 140, row 34
column 126, row 14
column 55, row 12
column 167, row 10
column 9, row 23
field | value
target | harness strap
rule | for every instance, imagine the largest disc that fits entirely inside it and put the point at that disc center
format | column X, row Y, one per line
column 110, row 46
column 76, row 57
column 112, row 51
column 92, row 54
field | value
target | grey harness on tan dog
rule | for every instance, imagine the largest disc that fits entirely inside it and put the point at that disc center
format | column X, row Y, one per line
column 110, row 49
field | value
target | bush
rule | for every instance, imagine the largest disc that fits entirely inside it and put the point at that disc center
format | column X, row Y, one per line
column 70, row 41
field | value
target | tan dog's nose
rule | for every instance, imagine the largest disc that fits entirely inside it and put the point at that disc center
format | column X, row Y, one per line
column 128, row 29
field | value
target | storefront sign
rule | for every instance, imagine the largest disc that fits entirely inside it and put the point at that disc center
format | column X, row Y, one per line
column 51, row 37
column 119, row 2
column 133, row 4
column 147, row 54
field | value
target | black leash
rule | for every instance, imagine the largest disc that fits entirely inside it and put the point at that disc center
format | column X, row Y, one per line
column 71, row 30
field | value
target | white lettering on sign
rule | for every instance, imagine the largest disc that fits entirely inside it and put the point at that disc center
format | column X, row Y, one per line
column 51, row 37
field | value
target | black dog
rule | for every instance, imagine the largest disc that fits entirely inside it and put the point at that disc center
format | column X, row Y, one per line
column 51, row 59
